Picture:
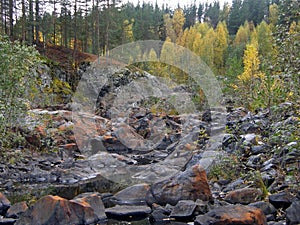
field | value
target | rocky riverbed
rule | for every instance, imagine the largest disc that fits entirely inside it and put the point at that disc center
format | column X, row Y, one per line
column 148, row 166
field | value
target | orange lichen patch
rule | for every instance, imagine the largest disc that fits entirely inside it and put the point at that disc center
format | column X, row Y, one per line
column 56, row 210
column 70, row 146
column 65, row 127
column 233, row 214
column 189, row 147
column 82, row 202
column 41, row 129
column 56, row 198
column 243, row 215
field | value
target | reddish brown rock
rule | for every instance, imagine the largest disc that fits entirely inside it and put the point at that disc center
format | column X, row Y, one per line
column 233, row 215
column 16, row 210
column 59, row 211
column 88, row 126
column 188, row 185
column 132, row 140
column 243, row 196
column 94, row 200
column 4, row 204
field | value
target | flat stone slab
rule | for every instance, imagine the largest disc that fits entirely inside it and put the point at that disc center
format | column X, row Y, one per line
column 126, row 211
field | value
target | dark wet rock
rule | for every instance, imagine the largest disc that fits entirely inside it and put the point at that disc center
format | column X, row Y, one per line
column 134, row 195
column 59, row 211
column 234, row 185
column 270, row 217
column 250, row 127
column 229, row 143
column 277, row 223
column 188, row 185
column 266, row 207
column 202, row 207
column 184, row 209
column 243, row 196
column 16, row 210
column 258, row 149
column 4, row 204
column 128, row 212
column 206, row 116
column 233, row 214
column 293, row 213
column 7, row 221
column 94, row 201
column 254, row 161
column 159, row 214
column 281, row 200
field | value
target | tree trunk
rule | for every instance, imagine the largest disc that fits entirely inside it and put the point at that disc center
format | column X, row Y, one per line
column 37, row 21
column 11, row 18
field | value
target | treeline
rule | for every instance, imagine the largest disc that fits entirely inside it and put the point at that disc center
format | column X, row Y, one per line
column 253, row 45
column 98, row 25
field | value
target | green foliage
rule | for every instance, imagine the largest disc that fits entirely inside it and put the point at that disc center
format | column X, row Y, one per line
column 288, row 44
column 17, row 63
column 228, row 168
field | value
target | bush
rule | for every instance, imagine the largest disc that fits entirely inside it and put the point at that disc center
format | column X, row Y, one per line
column 17, row 77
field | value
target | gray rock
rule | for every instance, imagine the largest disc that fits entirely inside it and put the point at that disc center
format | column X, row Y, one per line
column 134, row 195
column 266, row 207
column 234, row 185
column 250, row 138
column 254, row 161
column 293, row 213
column 184, row 209
column 127, row 211
column 257, row 149
column 159, row 214
column 281, row 200
column 7, row 221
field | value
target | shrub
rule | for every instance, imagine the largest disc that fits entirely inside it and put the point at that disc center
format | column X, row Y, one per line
column 17, row 77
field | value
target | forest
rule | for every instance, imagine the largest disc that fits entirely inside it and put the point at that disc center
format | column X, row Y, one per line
column 252, row 46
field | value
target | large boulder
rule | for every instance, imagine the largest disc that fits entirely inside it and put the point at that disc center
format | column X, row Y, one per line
column 16, row 210
column 4, row 204
column 234, row 215
column 94, row 201
column 281, row 200
column 56, row 210
column 188, row 185
column 292, row 213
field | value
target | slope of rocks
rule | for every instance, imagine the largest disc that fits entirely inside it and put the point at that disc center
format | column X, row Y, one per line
column 211, row 167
